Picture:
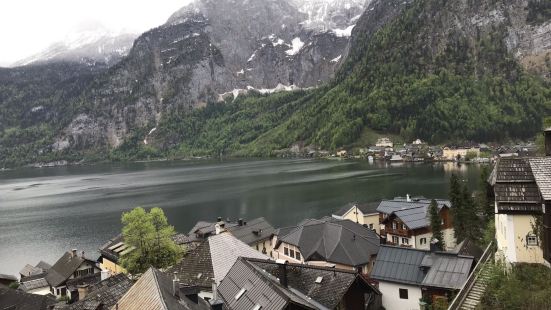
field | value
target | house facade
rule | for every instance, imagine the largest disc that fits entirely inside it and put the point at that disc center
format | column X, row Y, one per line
column 459, row 153
column 362, row 213
column 522, row 188
column 111, row 253
column 406, row 222
column 328, row 242
column 409, row 278
column 71, row 267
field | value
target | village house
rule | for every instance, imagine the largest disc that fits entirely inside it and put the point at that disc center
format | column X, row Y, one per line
column 456, row 154
column 328, row 242
column 30, row 270
column 71, row 272
column 407, row 277
column 207, row 264
column 36, row 284
column 6, row 280
column 156, row 290
column 406, row 222
column 101, row 296
column 110, row 254
column 522, row 188
column 257, row 233
column 384, row 143
column 263, row 284
column 11, row 299
column 362, row 213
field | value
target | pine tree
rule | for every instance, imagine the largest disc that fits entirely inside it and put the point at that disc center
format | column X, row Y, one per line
column 470, row 216
column 436, row 224
column 457, row 207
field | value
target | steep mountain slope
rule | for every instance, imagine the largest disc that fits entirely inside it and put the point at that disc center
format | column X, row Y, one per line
column 440, row 71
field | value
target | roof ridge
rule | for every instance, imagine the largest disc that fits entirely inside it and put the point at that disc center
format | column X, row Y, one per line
column 155, row 279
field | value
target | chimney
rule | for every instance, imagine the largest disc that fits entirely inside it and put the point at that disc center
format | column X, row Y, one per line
column 282, row 272
column 82, row 254
column 547, row 135
column 82, row 292
column 240, row 222
column 220, row 227
column 219, row 219
column 408, row 198
column 104, row 274
column 176, row 285
column 73, row 252
column 214, row 291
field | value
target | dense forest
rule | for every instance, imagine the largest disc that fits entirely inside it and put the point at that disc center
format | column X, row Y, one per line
column 419, row 76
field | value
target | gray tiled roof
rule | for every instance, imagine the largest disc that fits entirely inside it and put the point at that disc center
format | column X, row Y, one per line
column 260, row 289
column 24, row 301
column 105, row 250
column 414, row 218
column 335, row 241
column 30, row 270
column 422, row 268
column 541, row 168
column 33, row 284
column 253, row 231
column 154, row 291
column 211, row 260
column 102, row 295
column 329, row 292
column 398, row 203
column 64, row 268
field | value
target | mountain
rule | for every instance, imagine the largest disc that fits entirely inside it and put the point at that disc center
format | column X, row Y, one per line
column 204, row 82
column 91, row 44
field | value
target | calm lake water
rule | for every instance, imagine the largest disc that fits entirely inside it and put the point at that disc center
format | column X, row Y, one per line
column 44, row 212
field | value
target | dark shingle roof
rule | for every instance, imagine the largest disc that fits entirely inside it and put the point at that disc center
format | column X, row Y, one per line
column 422, row 268
column 253, row 231
column 30, row 270
column 64, row 267
column 8, row 277
column 515, row 185
column 23, row 301
column 260, row 288
column 154, row 291
column 43, row 265
column 329, row 292
column 335, row 241
column 102, row 295
column 114, row 248
column 211, row 260
column 84, row 281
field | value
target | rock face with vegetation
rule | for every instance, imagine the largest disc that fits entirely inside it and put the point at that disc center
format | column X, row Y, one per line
column 431, row 69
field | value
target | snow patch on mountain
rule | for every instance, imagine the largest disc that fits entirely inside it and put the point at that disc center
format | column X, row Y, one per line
column 296, row 45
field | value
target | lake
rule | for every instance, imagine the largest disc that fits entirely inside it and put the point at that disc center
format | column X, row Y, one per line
column 44, row 212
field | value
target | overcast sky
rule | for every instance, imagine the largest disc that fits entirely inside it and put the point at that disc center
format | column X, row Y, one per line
column 29, row 26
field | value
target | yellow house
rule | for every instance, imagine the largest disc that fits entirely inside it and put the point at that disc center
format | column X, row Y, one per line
column 521, row 187
column 362, row 213
column 459, row 153
column 110, row 254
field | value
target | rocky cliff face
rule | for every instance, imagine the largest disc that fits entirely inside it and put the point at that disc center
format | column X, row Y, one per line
column 210, row 50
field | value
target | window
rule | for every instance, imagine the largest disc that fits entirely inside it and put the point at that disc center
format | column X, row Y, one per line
column 257, row 247
column 286, row 251
column 292, row 253
column 371, row 226
column 403, row 293
column 531, row 240
column 393, row 225
column 423, row 241
column 297, row 255
column 395, row 240
column 240, row 293
column 403, row 226
column 405, row 241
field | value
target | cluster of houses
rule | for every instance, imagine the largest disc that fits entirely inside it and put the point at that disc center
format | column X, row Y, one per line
column 419, row 151
column 365, row 256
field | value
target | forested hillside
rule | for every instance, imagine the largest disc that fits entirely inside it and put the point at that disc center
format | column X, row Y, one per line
column 439, row 70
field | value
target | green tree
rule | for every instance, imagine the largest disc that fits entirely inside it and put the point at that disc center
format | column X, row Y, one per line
column 464, row 210
column 436, row 224
column 456, row 211
column 151, row 236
